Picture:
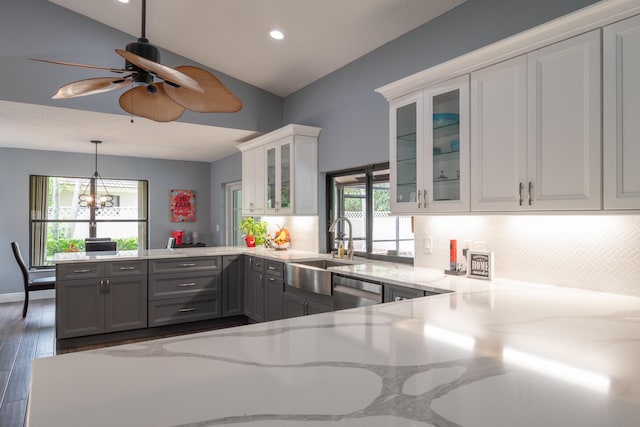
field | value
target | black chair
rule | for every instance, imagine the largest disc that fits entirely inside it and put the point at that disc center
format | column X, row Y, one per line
column 31, row 284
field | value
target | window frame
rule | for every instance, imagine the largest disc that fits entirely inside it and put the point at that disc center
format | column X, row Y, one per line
column 92, row 221
column 368, row 171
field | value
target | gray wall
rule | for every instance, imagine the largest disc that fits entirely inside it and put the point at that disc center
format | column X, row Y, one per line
column 163, row 175
column 223, row 172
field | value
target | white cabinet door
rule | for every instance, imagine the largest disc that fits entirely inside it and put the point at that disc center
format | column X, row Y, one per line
column 253, row 178
column 564, row 125
column 446, row 146
column 498, row 136
column 279, row 182
column 622, row 114
column 406, row 141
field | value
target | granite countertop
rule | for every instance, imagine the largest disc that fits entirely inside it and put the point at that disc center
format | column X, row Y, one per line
column 489, row 354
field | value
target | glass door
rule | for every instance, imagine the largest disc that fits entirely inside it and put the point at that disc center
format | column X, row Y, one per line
column 285, row 177
column 446, row 168
column 270, row 203
column 406, row 154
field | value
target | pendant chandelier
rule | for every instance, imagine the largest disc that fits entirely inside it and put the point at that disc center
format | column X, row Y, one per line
column 91, row 199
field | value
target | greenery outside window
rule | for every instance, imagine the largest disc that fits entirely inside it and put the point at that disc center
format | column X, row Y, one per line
column 362, row 195
column 58, row 224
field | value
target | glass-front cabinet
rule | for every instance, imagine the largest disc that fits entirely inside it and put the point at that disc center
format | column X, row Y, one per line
column 279, row 177
column 429, row 149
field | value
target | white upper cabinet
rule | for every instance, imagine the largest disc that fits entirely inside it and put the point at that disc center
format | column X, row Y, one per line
column 622, row 114
column 279, row 157
column 253, row 172
column 429, row 149
column 536, row 129
column 280, row 172
column 499, row 136
column 564, row 125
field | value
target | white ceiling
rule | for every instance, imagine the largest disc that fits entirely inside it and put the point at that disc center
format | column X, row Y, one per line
column 230, row 36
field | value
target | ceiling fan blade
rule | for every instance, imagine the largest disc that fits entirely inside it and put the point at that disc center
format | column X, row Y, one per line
column 164, row 72
column 91, row 87
column 75, row 64
column 155, row 106
column 215, row 99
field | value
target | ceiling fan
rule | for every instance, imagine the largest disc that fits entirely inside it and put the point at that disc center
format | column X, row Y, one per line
column 182, row 88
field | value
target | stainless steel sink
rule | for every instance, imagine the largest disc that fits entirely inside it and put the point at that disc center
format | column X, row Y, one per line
column 311, row 275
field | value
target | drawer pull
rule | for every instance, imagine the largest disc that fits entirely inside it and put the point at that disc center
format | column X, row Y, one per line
column 272, row 279
column 127, row 268
column 186, row 310
column 187, row 264
column 186, row 285
column 82, row 270
column 272, row 268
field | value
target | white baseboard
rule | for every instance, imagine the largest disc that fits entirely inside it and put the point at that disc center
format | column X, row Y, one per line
column 19, row 296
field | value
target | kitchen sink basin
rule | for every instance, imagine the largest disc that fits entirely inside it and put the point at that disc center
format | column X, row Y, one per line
column 312, row 275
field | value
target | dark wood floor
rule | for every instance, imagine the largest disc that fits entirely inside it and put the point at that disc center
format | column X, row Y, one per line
column 21, row 341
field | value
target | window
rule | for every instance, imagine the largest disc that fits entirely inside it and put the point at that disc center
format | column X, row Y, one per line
column 362, row 196
column 58, row 224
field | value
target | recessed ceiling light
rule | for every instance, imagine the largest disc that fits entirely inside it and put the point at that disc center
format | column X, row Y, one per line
column 276, row 34
column 123, row 1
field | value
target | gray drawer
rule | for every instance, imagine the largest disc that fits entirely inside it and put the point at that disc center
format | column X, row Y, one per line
column 126, row 268
column 175, row 265
column 83, row 270
column 183, row 285
column 274, row 268
column 256, row 263
column 182, row 310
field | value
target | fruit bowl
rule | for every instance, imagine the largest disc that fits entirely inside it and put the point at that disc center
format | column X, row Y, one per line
column 280, row 246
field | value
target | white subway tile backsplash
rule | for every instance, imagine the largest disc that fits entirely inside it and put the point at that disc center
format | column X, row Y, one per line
column 595, row 252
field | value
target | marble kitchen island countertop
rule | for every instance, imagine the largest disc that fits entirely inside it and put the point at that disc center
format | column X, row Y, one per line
column 505, row 356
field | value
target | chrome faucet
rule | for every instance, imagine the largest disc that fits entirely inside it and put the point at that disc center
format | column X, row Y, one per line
column 332, row 228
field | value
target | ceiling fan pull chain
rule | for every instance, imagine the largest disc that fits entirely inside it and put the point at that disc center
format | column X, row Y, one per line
column 144, row 19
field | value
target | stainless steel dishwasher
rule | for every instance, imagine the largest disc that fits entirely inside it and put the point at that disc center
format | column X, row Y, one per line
column 349, row 292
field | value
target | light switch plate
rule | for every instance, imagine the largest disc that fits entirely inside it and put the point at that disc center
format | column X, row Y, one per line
column 428, row 244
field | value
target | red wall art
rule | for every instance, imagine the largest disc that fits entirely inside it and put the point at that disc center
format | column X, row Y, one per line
column 182, row 205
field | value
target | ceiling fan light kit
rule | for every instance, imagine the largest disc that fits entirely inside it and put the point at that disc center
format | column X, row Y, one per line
column 182, row 88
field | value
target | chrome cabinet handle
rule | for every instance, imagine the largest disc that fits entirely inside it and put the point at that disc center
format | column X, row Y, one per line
column 272, row 268
column 186, row 285
column 419, row 200
column 530, row 193
column 187, row 264
column 82, row 270
column 186, row 310
column 425, row 196
column 102, row 286
column 272, row 279
column 127, row 268
column 108, row 286
column 520, row 190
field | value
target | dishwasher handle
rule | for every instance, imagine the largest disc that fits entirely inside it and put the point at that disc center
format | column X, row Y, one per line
column 346, row 297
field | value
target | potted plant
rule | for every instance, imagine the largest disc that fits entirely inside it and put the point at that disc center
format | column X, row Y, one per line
column 254, row 231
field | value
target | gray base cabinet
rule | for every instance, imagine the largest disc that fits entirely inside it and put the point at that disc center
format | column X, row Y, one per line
column 264, row 285
column 232, row 285
column 273, row 290
column 302, row 303
column 95, row 298
column 184, row 290
column 254, row 288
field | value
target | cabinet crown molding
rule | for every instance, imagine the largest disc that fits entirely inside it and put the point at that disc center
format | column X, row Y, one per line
column 564, row 27
column 283, row 132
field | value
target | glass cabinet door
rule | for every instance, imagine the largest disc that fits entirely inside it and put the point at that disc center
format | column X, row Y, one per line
column 405, row 154
column 284, row 201
column 446, row 171
column 446, row 146
column 270, row 203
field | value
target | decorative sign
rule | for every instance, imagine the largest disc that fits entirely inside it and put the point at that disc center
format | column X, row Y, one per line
column 182, row 205
column 480, row 265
